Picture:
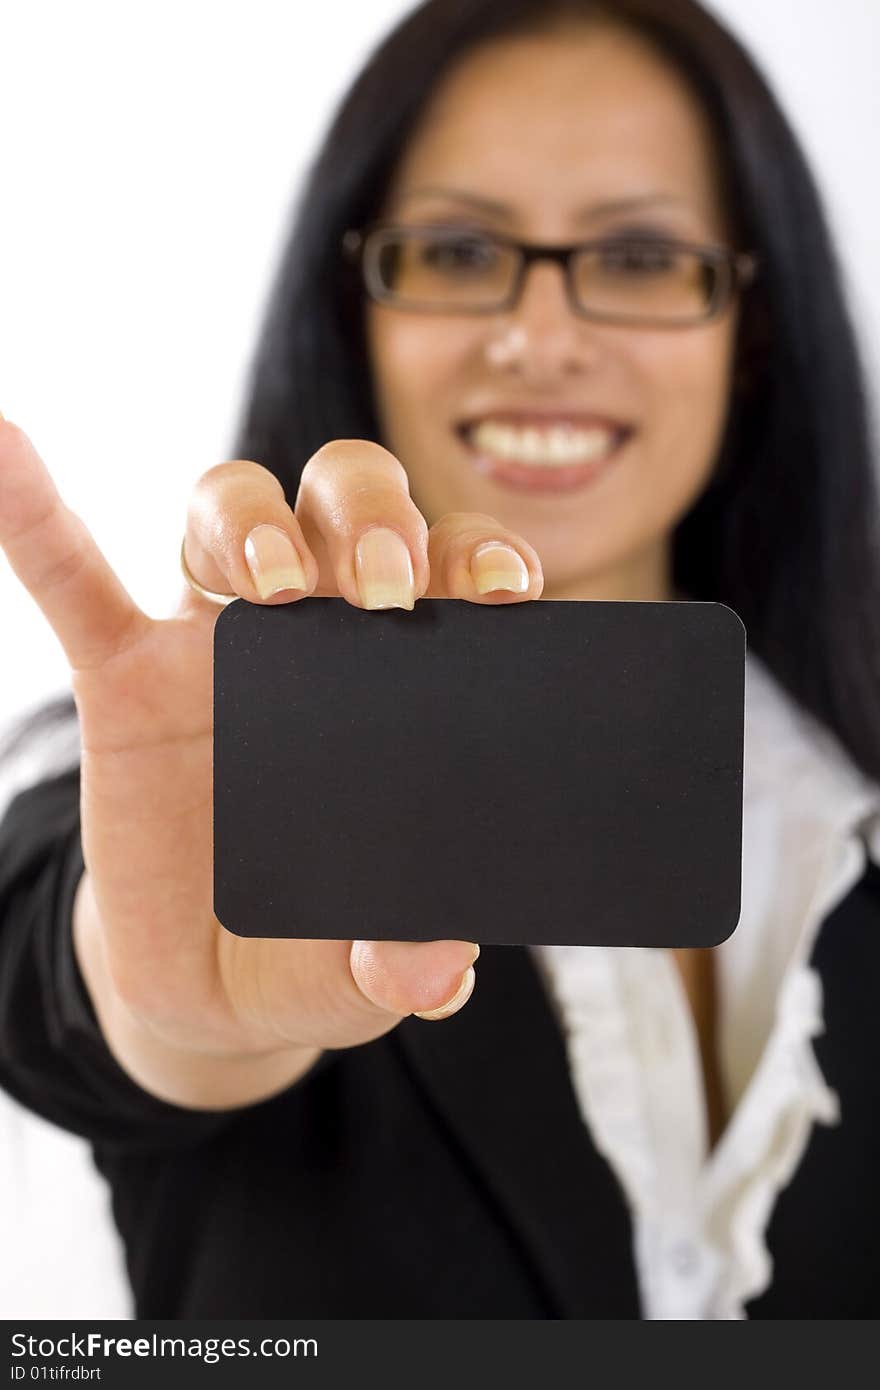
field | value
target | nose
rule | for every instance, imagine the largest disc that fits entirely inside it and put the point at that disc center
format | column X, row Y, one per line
column 542, row 336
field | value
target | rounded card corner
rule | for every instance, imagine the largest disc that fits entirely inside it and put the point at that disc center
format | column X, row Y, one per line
column 227, row 926
column 223, row 617
column 727, row 933
column 726, row 608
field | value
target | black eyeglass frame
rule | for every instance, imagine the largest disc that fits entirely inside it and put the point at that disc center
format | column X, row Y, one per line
column 738, row 268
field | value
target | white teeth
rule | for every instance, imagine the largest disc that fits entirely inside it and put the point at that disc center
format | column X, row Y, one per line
column 547, row 448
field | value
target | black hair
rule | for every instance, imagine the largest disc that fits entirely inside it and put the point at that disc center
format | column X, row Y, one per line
column 786, row 530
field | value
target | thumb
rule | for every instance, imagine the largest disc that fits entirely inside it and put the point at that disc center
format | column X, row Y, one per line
column 432, row 980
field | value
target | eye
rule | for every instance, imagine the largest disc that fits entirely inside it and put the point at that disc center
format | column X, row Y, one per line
column 459, row 255
column 638, row 258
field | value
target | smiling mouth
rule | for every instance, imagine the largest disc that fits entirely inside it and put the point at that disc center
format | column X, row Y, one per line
column 552, row 456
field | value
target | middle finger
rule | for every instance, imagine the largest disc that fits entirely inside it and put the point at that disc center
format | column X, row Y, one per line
column 373, row 546
column 365, row 531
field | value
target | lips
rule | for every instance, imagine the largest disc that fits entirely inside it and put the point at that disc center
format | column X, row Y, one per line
column 540, row 451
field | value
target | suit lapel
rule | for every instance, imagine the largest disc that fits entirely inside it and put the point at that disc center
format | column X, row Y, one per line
column 498, row 1076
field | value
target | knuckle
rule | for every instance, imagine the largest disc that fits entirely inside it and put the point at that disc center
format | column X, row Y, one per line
column 356, row 482
column 235, row 475
column 142, row 997
column 470, row 521
column 224, row 494
column 62, row 570
column 66, row 565
column 382, row 494
column 468, row 526
column 376, row 504
column 352, row 455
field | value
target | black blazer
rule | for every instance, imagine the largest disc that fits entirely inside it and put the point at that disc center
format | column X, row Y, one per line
column 441, row 1171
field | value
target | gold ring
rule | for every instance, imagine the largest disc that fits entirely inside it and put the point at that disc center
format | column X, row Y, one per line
column 221, row 599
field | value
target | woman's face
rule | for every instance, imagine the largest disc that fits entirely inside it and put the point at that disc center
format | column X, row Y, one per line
column 558, row 138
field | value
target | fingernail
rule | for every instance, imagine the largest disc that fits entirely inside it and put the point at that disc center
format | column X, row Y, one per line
column 461, row 996
column 497, row 566
column 273, row 561
column 384, row 569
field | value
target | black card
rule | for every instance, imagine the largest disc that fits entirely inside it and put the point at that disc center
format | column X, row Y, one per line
column 556, row 772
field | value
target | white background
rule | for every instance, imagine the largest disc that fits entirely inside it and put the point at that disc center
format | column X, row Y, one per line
column 149, row 158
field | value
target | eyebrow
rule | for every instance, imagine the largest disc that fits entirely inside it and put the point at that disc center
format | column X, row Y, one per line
column 608, row 208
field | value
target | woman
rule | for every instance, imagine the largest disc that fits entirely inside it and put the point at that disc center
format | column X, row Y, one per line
column 673, row 409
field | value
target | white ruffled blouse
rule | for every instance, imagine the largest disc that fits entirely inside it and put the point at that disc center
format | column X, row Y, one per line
column 810, row 818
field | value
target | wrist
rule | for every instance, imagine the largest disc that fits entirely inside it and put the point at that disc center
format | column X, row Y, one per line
column 169, row 1071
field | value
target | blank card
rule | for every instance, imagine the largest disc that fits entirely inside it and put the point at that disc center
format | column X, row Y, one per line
column 542, row 772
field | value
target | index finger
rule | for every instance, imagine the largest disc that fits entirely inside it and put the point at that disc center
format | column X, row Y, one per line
column 57, row 560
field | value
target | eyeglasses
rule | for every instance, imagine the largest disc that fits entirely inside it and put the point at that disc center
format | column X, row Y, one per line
column 643, row 280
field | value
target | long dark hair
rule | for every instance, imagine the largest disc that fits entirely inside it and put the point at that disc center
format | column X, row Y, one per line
column 786, row 532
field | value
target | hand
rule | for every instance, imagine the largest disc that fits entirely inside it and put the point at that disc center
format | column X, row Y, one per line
column 195, row 1014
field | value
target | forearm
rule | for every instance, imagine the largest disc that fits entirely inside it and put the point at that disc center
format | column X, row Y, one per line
column 196, row 1080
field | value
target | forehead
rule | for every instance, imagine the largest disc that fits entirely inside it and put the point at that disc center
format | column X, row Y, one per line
column 553, row 120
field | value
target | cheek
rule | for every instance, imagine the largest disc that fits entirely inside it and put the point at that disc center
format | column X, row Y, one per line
column 416, row 362
column 687, row 379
